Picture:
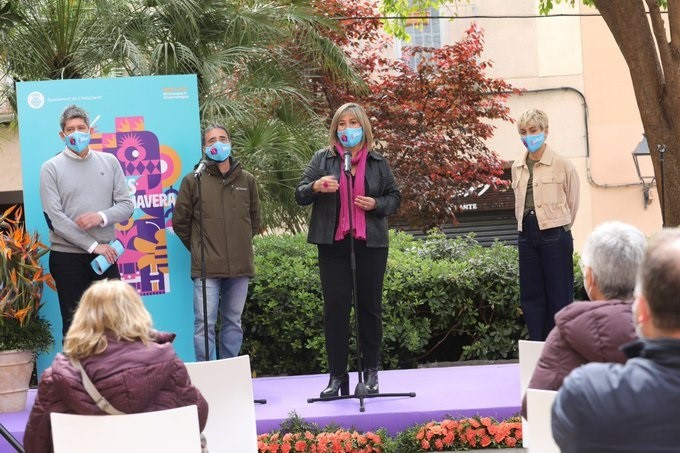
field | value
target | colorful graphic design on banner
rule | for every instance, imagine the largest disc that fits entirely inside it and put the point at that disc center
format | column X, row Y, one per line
column 151, row 125
column 145, row 261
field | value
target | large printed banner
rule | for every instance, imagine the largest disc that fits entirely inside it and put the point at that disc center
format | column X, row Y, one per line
column 151, row 124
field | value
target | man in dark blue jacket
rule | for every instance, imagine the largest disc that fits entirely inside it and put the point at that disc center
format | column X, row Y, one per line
column 632, row 407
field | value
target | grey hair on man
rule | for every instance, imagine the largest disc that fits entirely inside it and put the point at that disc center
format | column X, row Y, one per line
column 614, row 251
column 212, row 126
column 73, row 111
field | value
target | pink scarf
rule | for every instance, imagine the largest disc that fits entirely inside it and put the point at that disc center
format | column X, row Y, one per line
column 358, row 190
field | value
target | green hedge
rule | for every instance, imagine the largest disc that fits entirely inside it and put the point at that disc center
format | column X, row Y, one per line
column 443, row 300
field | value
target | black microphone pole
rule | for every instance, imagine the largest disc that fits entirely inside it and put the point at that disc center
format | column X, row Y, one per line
column 198, row 174
column 13, row 442
column 360, row 390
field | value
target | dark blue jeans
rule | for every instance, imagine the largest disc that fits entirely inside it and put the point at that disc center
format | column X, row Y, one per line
column 546, row 275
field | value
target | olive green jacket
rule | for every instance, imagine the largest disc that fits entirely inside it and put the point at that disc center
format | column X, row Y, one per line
column 231, row 217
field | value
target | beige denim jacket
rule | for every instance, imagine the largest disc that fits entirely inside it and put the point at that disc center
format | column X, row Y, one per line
column 556, row 190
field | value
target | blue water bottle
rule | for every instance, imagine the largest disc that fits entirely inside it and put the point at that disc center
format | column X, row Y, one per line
column 100, row 264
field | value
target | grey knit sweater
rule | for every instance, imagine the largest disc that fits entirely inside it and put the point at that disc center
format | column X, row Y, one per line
column 70, row 186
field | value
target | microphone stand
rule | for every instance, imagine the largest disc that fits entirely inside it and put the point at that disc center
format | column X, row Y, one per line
column 198, row 176
column 360, row 390
column 11, row 440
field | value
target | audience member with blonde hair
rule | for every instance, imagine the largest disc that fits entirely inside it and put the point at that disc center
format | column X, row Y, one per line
column 134, row 367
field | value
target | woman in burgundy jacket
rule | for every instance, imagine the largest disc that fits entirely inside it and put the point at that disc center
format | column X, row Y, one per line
column 133, row 367
column 594, row 331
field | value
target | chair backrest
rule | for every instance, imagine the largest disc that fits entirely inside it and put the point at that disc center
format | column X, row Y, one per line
column 227, row 385
column 529, row 353
column 539, row 411
column 169, row 431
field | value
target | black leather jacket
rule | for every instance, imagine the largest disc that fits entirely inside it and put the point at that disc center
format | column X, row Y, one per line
column 380, row 185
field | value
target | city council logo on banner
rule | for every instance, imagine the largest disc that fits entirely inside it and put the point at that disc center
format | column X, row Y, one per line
column 36, row 100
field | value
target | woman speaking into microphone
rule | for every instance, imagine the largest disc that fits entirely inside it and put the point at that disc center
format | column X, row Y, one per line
column 375, row 196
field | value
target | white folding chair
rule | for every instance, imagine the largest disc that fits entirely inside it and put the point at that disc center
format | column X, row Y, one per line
column 227, row 385
column 539, row 411
column 529, row 353
column 169, row 431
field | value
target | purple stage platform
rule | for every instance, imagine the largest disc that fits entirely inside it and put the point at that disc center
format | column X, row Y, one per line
column 487, row 390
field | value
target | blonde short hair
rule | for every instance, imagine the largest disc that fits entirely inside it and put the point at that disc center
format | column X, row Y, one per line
column 533, row 117
column 107, row 306
column 360, row 114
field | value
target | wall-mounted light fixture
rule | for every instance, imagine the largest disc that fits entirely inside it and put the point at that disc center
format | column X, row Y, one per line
column 642, row 151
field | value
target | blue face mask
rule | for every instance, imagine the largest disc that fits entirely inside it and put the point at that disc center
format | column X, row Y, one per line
column 351, row 137
column 77, row 141
column 534, row 142
column 218, row 151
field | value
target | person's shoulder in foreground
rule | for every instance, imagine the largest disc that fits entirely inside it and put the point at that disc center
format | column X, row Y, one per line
column 634, row 406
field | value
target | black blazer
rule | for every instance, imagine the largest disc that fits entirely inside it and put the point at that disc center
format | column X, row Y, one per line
column 380, row 185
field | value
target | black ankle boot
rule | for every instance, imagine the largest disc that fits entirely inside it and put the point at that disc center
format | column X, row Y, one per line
column 336, row 383
column 371, row 380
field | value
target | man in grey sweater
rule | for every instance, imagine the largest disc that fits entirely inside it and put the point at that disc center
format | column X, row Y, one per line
column 84, row 194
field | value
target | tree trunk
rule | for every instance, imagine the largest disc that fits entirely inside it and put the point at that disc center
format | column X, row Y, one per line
column 656, row 82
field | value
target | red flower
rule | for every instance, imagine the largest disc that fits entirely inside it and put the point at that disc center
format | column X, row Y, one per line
column 300, row 445
column 285, row 447
column 439, row 445
column 425, row 444
column 486, row 421
column 510, row 442
column 473, row 422
column 486, row 441
column 374, row 438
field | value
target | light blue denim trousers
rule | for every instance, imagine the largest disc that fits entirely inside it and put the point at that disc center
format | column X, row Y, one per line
column 226, row 296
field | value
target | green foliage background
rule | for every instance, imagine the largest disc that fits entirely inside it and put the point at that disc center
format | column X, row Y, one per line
column 443, row 300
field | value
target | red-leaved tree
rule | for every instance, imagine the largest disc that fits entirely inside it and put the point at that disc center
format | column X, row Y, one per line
column 431, row 122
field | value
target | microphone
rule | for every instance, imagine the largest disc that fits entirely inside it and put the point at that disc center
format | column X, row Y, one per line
column 348, row 162
column 200, row 168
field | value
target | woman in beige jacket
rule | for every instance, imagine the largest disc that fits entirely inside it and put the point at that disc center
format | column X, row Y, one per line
column 546, row 189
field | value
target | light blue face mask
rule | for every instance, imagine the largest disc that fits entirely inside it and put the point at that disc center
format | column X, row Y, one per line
column 218, row 151
column 351, row 137
column 77, row 141
column 534, row 142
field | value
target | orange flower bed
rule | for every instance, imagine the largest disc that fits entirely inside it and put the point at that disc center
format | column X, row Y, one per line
column 462, row 434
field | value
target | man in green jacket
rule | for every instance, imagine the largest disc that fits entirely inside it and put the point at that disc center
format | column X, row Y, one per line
column 231, row 217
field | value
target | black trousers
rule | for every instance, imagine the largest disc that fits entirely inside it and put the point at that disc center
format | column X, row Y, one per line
column 73, row 274
column 336, row 284
column 546, row 275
